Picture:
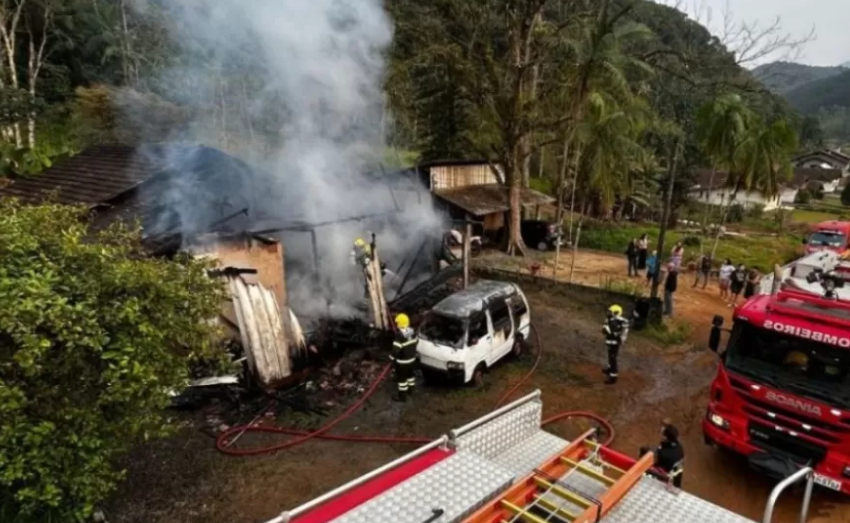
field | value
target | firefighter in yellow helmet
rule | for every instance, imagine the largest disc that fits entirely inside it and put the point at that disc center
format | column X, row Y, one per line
column 404, row 357
column 615, row 329
column 362, row 252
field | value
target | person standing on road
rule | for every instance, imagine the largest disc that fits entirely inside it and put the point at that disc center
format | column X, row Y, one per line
column 753, row 281
column 725, row 277
column 632, row 256
column 669, row 454
column 615, row 329
column 643, row 247
column 703, row 270
column 677, row 254
column 404, row 357
column 671, row 284
column 736, row 287
column 651, row 267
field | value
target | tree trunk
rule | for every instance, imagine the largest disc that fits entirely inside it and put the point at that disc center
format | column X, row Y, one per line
column 706, row 212
column 668, row 201
column 515, row 243
column 575, row 245
column 559, row 213
column 125, row 44
column 723, row 219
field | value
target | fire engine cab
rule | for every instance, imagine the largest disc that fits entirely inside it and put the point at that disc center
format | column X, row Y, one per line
column 781, row 396
column 832, row 235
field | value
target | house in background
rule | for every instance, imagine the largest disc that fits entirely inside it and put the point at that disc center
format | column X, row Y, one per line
column 471, row 189
column 824, row 159
column 712, row 189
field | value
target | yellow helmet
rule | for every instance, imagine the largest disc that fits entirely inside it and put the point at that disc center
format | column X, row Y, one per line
column 402, row 321
column 615, row 310
column 359, row 242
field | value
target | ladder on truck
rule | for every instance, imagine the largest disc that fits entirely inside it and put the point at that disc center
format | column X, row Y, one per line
column 575, row 486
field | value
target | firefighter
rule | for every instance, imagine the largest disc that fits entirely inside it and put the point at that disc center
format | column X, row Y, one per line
column 669, row 455
column 615, row 329
column 404, row 357
column 362, row 253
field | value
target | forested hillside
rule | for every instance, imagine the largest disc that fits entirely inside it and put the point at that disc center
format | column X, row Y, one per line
column 823, row 94
column 784, row 77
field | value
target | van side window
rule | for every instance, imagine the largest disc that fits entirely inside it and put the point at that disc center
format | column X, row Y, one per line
column 519, row 307
column 477, row 328
column 500, row 316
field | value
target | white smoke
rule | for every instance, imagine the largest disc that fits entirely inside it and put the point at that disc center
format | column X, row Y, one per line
column 315, row 69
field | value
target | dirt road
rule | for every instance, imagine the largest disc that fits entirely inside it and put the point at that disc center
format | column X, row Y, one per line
column 184, row 480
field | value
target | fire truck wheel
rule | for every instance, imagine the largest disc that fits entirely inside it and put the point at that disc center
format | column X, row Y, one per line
column 478, row 375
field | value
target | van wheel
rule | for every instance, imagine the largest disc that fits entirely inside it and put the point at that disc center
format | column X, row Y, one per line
column 478, row 376
column 543, row 246
column 519, row 347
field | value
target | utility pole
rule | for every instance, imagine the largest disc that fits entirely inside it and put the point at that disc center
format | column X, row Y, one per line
column 665, row 214
column 467, row 238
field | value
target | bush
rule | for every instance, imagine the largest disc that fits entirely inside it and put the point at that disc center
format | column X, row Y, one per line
column 692, row 241
column 736, row 214
column 93, row 336
column 845, row 195
column 755, row 211
column 803, row 196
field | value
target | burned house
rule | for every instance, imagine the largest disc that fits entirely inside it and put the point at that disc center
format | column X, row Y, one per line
column 180, row 192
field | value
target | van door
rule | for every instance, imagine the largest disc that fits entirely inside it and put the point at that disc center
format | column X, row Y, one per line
column 503, row 330
column 479, row 343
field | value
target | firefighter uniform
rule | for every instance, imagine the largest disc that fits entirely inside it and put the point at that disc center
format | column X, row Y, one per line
column 362, row 253
column 404, row 357
column 615, row 329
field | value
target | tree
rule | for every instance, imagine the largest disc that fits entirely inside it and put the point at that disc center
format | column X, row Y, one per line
column 721, row 127
column 811, row 133
column 93, row 336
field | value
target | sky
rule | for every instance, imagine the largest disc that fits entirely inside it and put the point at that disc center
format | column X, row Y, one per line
column 829, row 18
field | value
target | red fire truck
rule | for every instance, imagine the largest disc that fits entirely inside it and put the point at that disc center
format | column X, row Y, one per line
column 831, row 235
column 781, row 396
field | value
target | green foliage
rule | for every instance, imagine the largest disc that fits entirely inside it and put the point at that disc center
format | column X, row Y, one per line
column 692, row 241
column 755, row 211
column 736, row 213
column 821, row 94
column 93, row 335
column 803, row 196
column 670, row 333
column 784, row 77
column 621, row 286
column 845, row 195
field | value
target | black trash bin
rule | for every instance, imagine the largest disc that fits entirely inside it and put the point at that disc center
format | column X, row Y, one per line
column 640, row 315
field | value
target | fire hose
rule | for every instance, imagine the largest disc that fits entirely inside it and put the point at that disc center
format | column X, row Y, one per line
column 224, row 439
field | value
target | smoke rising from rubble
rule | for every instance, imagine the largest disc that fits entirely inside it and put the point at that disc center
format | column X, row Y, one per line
column 318, row 67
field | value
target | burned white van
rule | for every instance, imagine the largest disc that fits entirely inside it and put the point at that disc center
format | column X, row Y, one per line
column 468, row 332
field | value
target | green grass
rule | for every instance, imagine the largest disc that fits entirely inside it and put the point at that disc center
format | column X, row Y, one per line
column 668, row 334
column 759, row 251
column 621, row 286
column 805, row 216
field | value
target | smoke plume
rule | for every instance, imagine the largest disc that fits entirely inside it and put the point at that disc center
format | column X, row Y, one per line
column 294, row 87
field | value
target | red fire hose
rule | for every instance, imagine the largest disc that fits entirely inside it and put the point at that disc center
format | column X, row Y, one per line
column 321, row 433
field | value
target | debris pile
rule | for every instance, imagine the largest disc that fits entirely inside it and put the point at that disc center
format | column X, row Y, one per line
column 352, row 374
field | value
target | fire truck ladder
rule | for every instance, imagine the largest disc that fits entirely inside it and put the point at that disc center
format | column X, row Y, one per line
column 575, row 486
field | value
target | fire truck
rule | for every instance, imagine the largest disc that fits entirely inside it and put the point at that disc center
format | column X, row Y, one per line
column 504, row 468
column 831, row 235
column 781, row 396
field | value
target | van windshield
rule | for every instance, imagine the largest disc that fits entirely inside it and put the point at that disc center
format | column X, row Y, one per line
column 803, row 367
column 828, row 239
column 443, row 330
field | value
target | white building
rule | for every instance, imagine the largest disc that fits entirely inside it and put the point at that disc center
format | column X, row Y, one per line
column 712, row 189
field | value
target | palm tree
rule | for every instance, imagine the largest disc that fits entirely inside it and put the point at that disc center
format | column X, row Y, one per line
column 722, row 126
column 608, row 141
column 764, row 156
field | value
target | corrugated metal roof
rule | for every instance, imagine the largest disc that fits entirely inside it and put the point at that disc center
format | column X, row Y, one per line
column 481, row 200
column 96, row 174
